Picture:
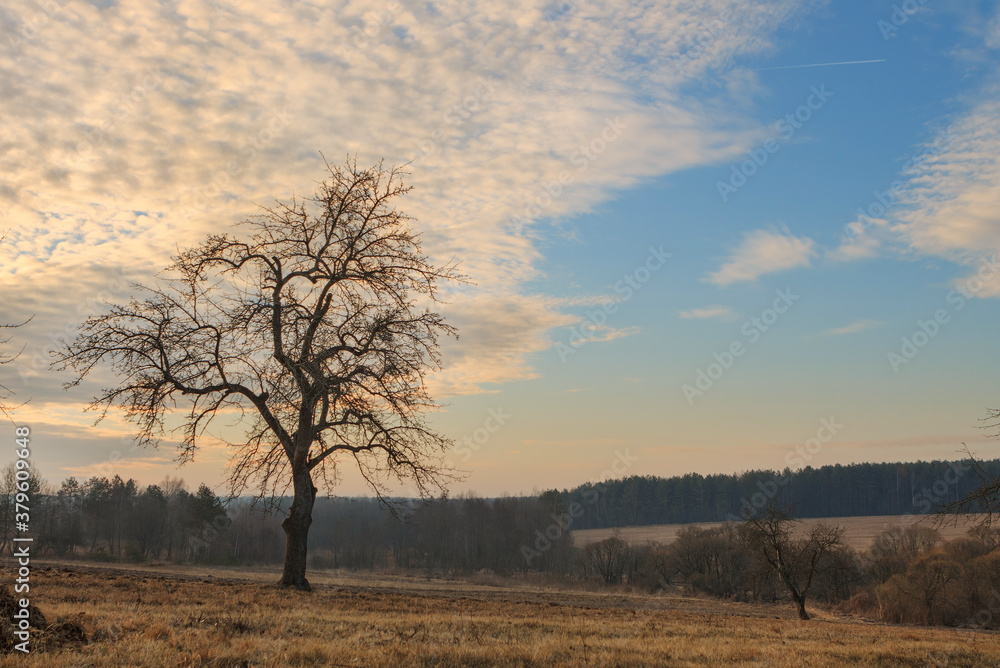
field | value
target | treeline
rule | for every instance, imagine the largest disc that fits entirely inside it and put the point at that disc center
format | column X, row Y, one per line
column 828, row 491
column 113, row 518
column 116, row 519
column 104, row 518
column 465, row 534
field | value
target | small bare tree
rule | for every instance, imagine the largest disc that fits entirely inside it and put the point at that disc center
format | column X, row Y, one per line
column 310, row 330
column 795, row 560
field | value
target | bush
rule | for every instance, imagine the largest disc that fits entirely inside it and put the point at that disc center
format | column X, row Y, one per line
column 709, row 560
column 99, row 554
column 134, row 554
column 609, row 560
column 893, row 549
column 839, row 574
column 930, row 592
column 862, row 604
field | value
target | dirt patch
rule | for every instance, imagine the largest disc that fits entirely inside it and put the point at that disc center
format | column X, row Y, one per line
column 44, row 637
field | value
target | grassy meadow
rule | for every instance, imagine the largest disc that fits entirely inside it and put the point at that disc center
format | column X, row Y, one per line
column 176, row 616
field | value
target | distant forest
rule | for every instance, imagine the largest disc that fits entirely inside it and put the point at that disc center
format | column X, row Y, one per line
column 103, row 518
column 828, row 491
column 118, row 520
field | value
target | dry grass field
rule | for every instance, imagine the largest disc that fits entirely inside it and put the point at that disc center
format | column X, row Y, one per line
column 168, row 616
column 859, row 535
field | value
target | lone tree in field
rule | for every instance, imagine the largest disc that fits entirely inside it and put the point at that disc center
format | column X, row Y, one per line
column 796, row 560
column 310, row 332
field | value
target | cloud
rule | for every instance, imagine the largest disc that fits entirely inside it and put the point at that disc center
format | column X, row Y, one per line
column 604, row 334
column 133, row 129
column 126, row 468
column 948, row 206
column 982, row 28
column 764, row 252
column 854, row 327
column 497, row 333
column 705, row 312
column 861, row 244
column 943, row 204
column 992, row 33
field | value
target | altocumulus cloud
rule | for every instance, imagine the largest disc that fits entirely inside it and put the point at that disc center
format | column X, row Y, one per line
column 132, row 128
column 949, row 208
column 944, row 204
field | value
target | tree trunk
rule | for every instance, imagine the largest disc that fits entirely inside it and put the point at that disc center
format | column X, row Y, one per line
column 296, row 527
column 801, row 602
column 797, row 596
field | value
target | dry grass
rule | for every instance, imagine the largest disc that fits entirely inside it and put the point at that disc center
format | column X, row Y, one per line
column 860, row 530
column 147, row 619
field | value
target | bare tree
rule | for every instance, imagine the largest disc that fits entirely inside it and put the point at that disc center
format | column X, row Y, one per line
column 5, row 392
column 796, row 560
column 315, row 330
column 6, row 358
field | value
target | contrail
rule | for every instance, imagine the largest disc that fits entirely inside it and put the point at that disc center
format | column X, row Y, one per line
column 792, row 67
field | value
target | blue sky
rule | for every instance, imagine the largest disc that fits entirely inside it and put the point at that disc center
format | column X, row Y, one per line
column 125, row 118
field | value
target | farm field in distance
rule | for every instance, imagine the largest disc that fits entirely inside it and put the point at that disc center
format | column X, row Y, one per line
column 859, row 535
column 152, row 615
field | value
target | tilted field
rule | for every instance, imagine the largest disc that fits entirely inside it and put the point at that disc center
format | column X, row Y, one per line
column 170, row 616
column 859, row 535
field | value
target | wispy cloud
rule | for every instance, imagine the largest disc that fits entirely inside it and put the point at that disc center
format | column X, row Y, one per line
column 864, row 244
column 764, row 252
column 853, row 328
column 128, row 467
column 714, row 311
column 132, row 129
column 604, row 334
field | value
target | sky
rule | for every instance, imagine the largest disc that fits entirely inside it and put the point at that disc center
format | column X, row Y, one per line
column 703, row 236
